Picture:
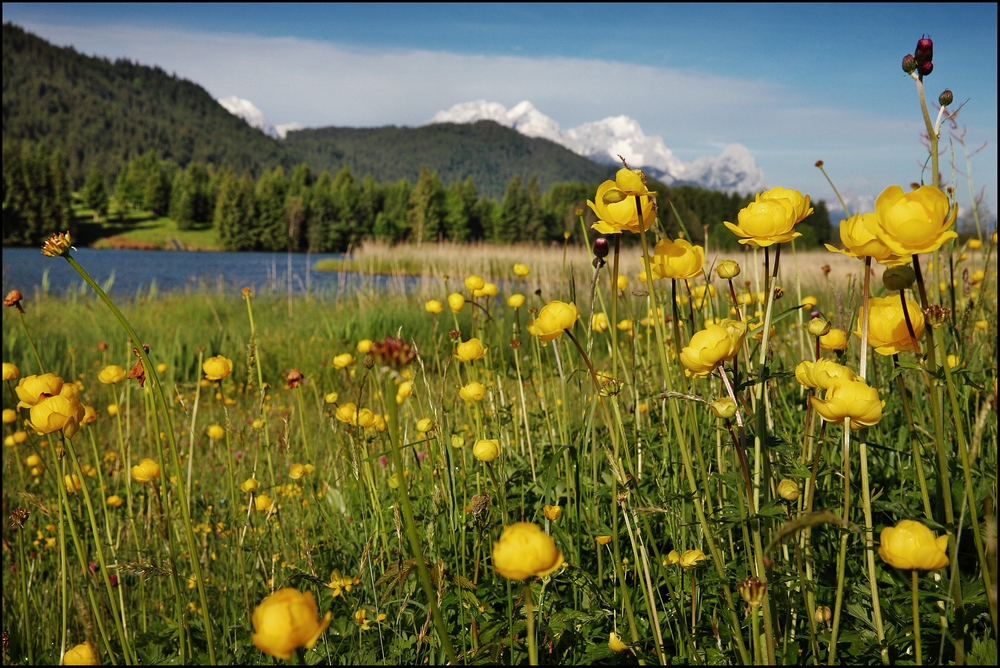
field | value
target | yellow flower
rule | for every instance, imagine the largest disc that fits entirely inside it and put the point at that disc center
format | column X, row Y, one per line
column 599, row 322
column 32, row 389
column 615, row 205
column 615, row 643
column 347, row 413
column 486, row 450
column 887, row 331
column 365, row 418
column 554, row 318
column 602, row 540
column 83, row 654
column 285, row 621
column 111, row 374
column 911, row 545
column 89, row 415
column 723, row 408
column 852, row 399
column 835, row 339
column 470, row 350
column 710, row 347
column 822, row 374
column 249, row 485
column 474, row 391
column 146, row 470
column 73, row 483
column 216, row 431
column 456, row 301
column 796, row 204
column 331, row 397
column 404, row 391
column 525, row 550
column 676, row 259
column 818, row 327
column 859, row 234
column 263, row 503
column 425, row 425
column 788, row 490
column 622, row 282
column 674, row 557
column 61, row 412
column 434, row 306
column 691, row 558
column 552, row 513
column 764, row 222
column 364, row 345
column 727, row 269
column 217, row 368
column 809, row 302
column 953, row 361
column 259, row 423
column 521, row 269
column 625, row 325
column 977, row 276
column 161, row 367
column 9, row 415
column 10, row 371
column 296, row 471
column 915, row 222
column 115, row 501
column 515, row 301
column 488, row 290
column 343, row 360
column 975, row 244
column 473, row 282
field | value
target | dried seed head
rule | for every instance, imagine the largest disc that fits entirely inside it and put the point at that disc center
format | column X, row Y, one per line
column 909, row 63
column 393, row 353
column 294, row 378
column 946, row 97
column 13, row 299
column 752, row 590
column 936, row 315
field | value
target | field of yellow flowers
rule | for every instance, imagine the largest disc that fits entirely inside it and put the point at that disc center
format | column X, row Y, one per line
column 710, row 461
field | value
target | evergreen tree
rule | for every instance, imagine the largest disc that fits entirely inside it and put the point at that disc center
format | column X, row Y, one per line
column 561, row 204
column 513, row 213
column 95, row 193
column 36, row 198
column 534, row 216
column 345, row 232
column 427, row 207
column 322, row 213
column 234, row 211
column 370, row 203
column 392, row 224
column 270, row 220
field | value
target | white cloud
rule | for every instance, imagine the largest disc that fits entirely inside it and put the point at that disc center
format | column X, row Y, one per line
column 321, row 83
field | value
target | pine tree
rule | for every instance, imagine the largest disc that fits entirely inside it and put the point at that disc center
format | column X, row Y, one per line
column 345, row 232
column 513, row 213
column 427, row 207
column 95, row 193
column 234, row 210
column 271, row 222
column 322, row 213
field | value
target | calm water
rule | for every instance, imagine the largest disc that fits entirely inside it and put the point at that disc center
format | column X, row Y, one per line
column 131, row 272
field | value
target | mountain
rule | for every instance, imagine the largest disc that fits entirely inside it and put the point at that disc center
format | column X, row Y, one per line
column 103, row 113
column 485, row 150
column 734, row 170
column 256, row 119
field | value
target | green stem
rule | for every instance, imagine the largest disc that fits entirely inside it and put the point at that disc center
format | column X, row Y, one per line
column 845, row 532
column 529, row 614
column 916, row 618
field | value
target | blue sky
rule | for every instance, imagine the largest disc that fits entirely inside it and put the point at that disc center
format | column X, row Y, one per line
column 793, row 83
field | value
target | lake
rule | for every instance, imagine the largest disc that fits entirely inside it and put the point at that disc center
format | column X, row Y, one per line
column 131, row 272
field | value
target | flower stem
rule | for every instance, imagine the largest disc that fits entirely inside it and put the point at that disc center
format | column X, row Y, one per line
column 842, row 556
column 916, row 618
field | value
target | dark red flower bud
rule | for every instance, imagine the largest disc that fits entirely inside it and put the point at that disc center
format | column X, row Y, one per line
column 600, row 247
column 925, row 68
column 946, row 97
column 924, row 53
column 909, row 63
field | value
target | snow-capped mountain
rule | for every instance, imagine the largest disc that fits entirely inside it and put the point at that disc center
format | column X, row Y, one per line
column 734, row 170
column 255, row 118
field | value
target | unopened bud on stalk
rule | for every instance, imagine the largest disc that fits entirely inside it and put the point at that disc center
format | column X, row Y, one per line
column 752, row 590
column 788, row 490
column 924, row 53
column 823, row 614
column 727, row 269
column 946, row 97
column 925, row 68
column 898, row 278
column 723, row 408
column 818, row 327
column 935, row 315
column 600, row 247
column 909, row 63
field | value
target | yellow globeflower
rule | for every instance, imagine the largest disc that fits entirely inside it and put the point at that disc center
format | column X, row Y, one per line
column 249, row 485
column 486, row 449
column 146, row 470
column 515, row 300
column 599, row 322
column 285, row 621
column 615, row 643
column 887, row 331
column 625, row 325
column 217, row 368
column 975, row 244
column 822, row 374
column 470, row 350
column 952, row 360
column 216, row 431
column 525, row 550
column 473, row 282
column 347, row 413
column 366, row 418
column 673, row 558
column 723, row 408
column 61, row 412
column 911, row 545
column 10, row 371
column 521, row 269
column 859, row 235
column 434, row 306
column 474, row 391
column 835, row 339
column 676, row 259
column 364, row 345
column 788, row 490
column 425, row 425
column 915, row 222
column 615, row 204
column 32, row 389
column 263, row 503
column 809, row 302
column 622, row 282
column 712, row 346
column 691, row 558
column 727, row 269
column 552, row 513
column 9, row 415
column 83, row 654
column 343, row 360
column 554, row 318
column 456, row 301
column 115, row 501
column 795, row 203
column 764, row 222
column 111, row 374
column 852, row 399
column 331, row 397
column 602, row 540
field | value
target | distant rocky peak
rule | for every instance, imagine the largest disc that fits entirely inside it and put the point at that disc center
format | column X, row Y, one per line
column 255, row 118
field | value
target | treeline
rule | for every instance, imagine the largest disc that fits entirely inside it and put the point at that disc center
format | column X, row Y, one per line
column 36, row 194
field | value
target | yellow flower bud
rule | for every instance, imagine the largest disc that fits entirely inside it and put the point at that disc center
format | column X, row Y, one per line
column 456, row 301
column 723, row 408
column 521, row 270
column 287, row 620
column 818, row 327
column 217, row 368
column 486, row 450
column 111, row 374
column 216, row 431
column 434, row 306
column 788, row 490
column 552, row 513
column 525, row 550
column 727, row 269
column 515, row 301
column 146, row 470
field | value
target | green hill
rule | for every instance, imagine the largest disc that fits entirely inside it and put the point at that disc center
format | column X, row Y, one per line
column 490, row 153
column 103, row 113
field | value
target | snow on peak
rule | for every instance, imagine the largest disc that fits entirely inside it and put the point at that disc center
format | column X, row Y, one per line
column 735, row 170
column 255, row 118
